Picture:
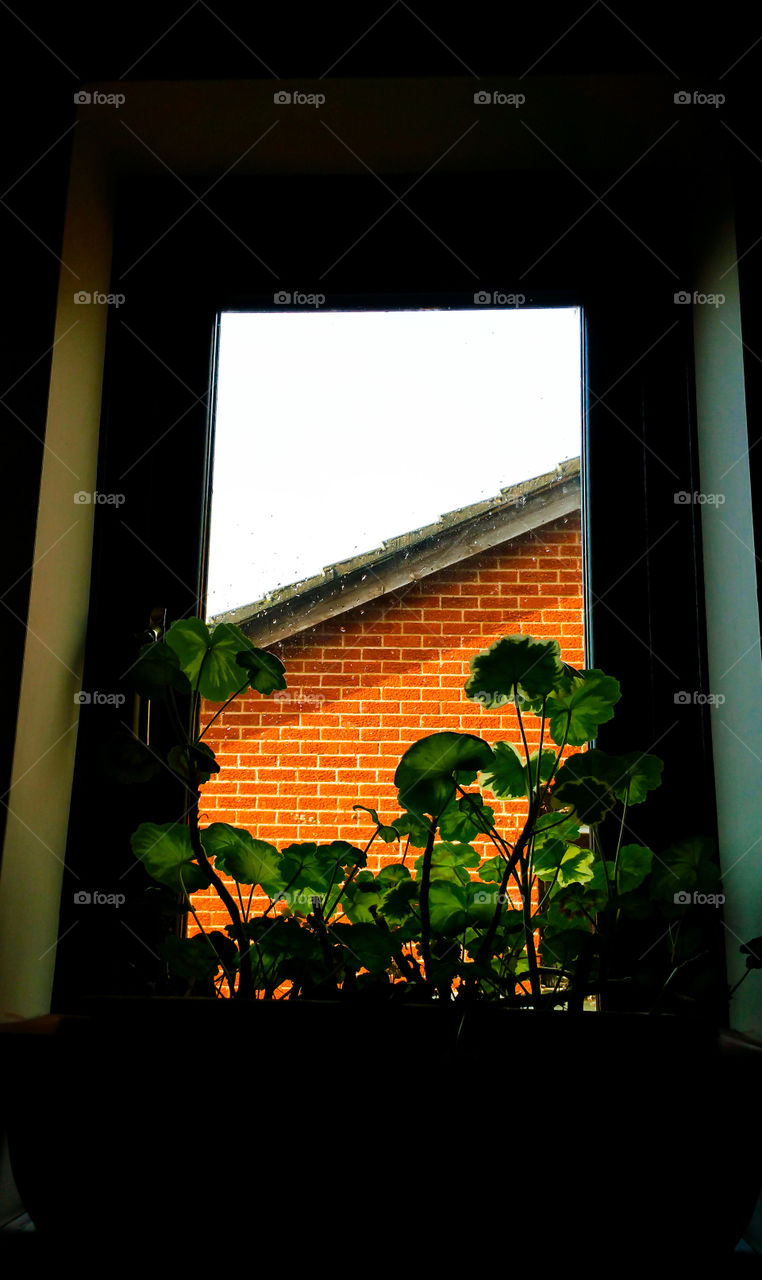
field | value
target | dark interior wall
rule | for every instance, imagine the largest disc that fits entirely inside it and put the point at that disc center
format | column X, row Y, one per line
column 47, row 54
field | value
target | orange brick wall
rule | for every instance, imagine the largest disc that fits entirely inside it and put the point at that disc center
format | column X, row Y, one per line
column 364, row 686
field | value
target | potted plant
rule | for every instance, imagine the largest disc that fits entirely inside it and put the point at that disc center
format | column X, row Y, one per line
column 416, row 1034
column 542, row 920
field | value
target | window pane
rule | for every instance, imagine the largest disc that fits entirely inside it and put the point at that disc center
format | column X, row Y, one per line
column 392, row 492
column 337, row 430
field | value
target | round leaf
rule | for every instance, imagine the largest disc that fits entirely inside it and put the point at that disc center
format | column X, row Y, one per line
column 424, row 775
column 201, row 758
column 266, row 672
column 514, row 664
column 166, row 853
column 583, row 702
column 210, row 660
column 236, row 853
column 191, row 958
column 126, row 759
column 157, row 670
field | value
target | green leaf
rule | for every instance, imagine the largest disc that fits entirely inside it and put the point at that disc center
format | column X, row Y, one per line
column 514, row 664
column 424, row 775
column 638, row 774
column 126, row 759
column 481, row 901
column 366, row 946
column 492, row 869
column 191, row 958
column 343, row 854
column 210, row 660
column 282, row 949
column 629, row 776
column 166, row 853
column 466, row 818
column 266, row 672
column 397, row 906
column 393, row 875
column 555, row 826
column 546, row 768
column 416, row 828
column 454, row 825
column 236, row 853
column 157, row 670
column 510, row 778
column 575, row 906
column 683, row 870
column 574, row 866
column 599, row 882
column 449, row 861
column 562, row 949
column 753, row 952
column 314, row 867
column 583, row 702
column 505, row 777
column 362, row 893
column 201, row 757
column 387, row 834
column 635, row 862
column 448, row 907
column 590, row 799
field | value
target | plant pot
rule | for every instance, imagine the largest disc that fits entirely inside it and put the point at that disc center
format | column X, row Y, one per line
column 314, row 1127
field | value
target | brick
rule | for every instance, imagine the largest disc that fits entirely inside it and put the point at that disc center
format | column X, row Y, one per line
column 386, row 675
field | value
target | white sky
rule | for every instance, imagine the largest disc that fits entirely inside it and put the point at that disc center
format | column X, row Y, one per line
column 336, row 430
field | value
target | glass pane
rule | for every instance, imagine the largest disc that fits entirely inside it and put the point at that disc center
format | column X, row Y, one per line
column 392, row 492
column 338, row 430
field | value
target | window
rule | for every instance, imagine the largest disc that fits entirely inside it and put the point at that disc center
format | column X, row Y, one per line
column 639, row 448
column 377, row 544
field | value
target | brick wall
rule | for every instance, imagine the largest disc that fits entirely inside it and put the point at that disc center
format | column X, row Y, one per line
column 364, row 686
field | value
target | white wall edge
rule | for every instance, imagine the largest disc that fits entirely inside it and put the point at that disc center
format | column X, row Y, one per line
column 730, row 583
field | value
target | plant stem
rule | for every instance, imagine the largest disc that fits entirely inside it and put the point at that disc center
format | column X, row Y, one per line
column 619, row 842
column 246, row 984
column 226, row 972
column 425, row 914
column 496, row 839
column 485, row 950
column 534, row 978
column 232, row 698
column 732, row 990
column 349, row 878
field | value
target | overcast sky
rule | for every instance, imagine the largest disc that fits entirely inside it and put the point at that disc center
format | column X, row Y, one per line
column 336, row 430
